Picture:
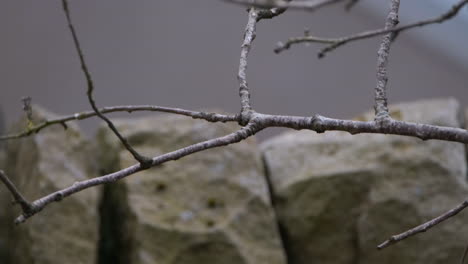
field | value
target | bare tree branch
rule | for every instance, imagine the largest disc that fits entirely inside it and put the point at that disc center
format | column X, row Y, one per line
column 255, row 15
column 380, row 92
column 17, row 196
column 234, row 137
column 258, row 122
column 143, row 160
column 254, row 122
column 249, row 36
column 321, row 124
column 424, row 227
column 210, row 117
column 337, row 42
column 303, row 5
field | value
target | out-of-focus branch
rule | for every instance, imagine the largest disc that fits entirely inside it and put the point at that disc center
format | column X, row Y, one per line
column 380, row 91
column 17, row 196
column 424, row 227
column 27, row 108
column 234, row 137
column 89, row 81
column 351, row 4
column 337, row 42
column 210, row 117
column 302, row 5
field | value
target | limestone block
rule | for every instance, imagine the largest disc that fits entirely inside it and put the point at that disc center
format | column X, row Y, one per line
column 209, row 207
column 338, row 196
column 54, row 158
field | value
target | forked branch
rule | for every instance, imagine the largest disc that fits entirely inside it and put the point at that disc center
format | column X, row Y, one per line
column 89, row 81
column 338, row 42
column 234, row 137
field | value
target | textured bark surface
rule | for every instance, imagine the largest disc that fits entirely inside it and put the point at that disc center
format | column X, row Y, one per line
column 208, row 207
column 53, row 159
column 338, row 196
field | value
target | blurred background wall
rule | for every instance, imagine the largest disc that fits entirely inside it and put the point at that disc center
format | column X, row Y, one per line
column 185, row 53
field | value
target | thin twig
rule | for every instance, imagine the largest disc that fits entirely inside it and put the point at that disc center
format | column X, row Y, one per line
column 27, row 108
column 424, row 227
column 337, row 42
column 142, row 159
column 234, row 137
column 465, row 252
column 210, row 117
column 380, row 91
column 17, row 196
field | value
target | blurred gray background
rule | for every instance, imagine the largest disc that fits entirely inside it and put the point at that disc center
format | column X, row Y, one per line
column 185, row 53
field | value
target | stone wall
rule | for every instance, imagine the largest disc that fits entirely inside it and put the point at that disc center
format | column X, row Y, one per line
column 338, row 195
column 53, row 159
column 300, row 197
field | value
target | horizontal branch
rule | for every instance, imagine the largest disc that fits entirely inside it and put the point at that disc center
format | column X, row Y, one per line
column 321, row 124
column 424, row 227
column 337, row 42
column 211, row 117
column 234, row 137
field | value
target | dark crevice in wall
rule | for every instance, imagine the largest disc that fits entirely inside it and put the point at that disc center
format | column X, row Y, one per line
column 466, row 161
column 281, row 229
column 116, row 242
column 355, row 240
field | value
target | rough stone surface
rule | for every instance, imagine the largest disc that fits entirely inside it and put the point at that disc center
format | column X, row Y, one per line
column 4, row 217
column 210, row 207
column 466, row 117
column 338, row 196
column 64, row 232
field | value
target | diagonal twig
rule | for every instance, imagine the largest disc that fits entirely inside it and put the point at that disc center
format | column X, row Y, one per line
column 17, row 196
column 424, row 227
column 231, row 138
column 142, row 159
column 338, row 42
